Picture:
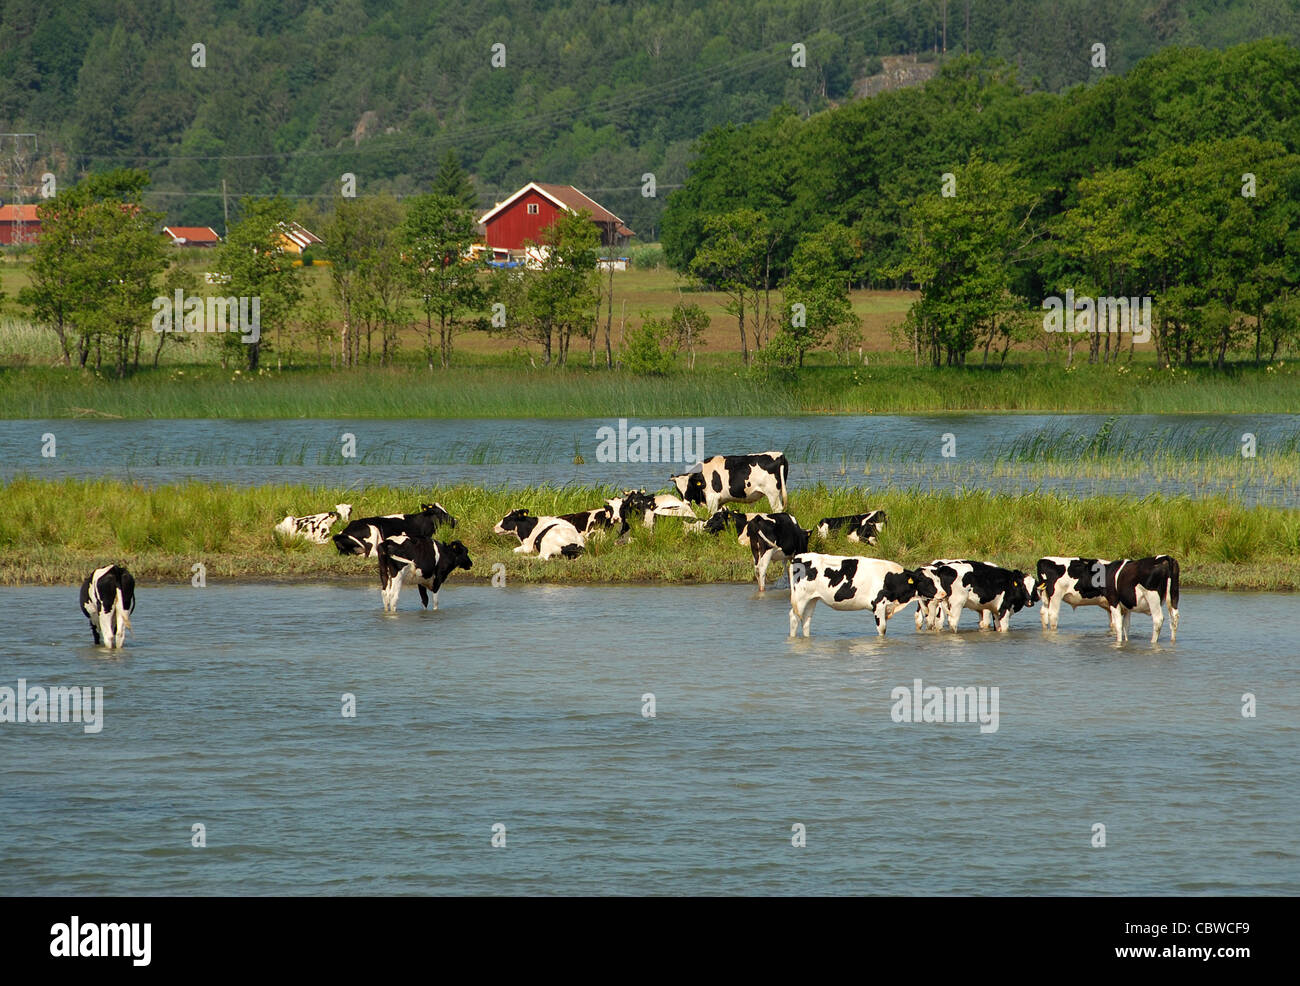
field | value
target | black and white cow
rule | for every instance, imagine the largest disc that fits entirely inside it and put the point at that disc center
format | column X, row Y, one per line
column 362, row 536
column 631, row 504
column 932, row 609
column 724, row 518
column 736, row 479
column 771, row 537
column 995, row 593
column 651, row 506
column 590, row 522
column 1138, row 587
column 863, row 528
column 548, row 536
column 107, row 599
column 314, row 527
column 1070, row 579
column 850, row 583
column 425, row 562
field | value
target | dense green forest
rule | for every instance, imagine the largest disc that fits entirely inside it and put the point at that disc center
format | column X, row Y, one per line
column 292, row 94
column 1178, row 181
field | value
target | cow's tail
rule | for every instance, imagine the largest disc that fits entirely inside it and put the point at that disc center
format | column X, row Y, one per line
column 386, row 567
column 1171, row 582
column 571, row 550
column 122, row 612
column 782, row 476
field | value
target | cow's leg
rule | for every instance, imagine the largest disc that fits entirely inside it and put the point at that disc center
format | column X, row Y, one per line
column 956, row 603
column 106, row 627
column 807, row 616
column 920, row 614
column 119, row 624
column 760, row 567
column 794, row 617
column 523, row 549
column 393, row 591
column 1173, row 623
column 1157, row 614
column 1045, row 614
column 986, row 619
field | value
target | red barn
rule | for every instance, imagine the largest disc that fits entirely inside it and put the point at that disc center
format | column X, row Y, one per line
column 19, row 225
column 530, row 210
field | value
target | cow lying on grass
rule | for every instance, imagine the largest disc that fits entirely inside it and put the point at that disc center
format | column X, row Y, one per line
column 362, row 537
column 850, row 583
column 863, row 528
column 423, row 561
column 107, row 599
column 548, row 536
column 314, row 527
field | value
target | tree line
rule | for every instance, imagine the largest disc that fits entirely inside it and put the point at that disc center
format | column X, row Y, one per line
column 1178, row 182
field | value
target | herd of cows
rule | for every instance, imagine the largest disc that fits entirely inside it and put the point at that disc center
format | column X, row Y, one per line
column 408, row 554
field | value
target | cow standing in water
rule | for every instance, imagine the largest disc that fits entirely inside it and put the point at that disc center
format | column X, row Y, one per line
column 107, row 599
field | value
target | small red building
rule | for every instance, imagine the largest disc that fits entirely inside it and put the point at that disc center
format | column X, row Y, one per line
column 19, row 225
column 524, row 215
column 192, row 236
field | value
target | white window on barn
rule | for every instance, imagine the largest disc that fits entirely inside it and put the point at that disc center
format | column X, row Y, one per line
column 533, row 208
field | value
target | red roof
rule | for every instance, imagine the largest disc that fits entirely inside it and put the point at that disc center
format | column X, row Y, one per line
column 18, row 213
column 192, row 234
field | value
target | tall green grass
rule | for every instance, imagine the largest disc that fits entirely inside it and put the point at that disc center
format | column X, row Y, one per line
column 56, row 532
column 722, row 387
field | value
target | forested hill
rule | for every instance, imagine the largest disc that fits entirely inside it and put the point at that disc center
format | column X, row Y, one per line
column 292, row 94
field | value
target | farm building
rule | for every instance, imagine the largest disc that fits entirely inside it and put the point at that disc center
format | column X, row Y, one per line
column 19, row 225
column 295, row 238
column 523, row 216
column 192, row 236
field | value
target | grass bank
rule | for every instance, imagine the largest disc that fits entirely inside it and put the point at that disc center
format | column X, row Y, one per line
column 56, row 532
column 507, row 388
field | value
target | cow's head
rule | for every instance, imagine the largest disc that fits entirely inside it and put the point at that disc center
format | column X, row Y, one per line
column 511, row 522
column 437, row 511
column 344, row 510
column 720, row 519
column 690, row 485
column 459, row 555
column 1022, row 591
column 902, row 587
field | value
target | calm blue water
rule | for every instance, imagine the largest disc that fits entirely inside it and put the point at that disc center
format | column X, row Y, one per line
column 904, row 451
column 522, row 706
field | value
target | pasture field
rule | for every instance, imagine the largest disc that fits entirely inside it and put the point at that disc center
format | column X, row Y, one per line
column 54, row 532
column 500, row 375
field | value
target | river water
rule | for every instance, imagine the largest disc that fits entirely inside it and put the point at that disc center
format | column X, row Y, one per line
column 523, row 707
column 928, row 452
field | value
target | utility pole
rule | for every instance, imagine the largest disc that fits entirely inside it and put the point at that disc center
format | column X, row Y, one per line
column 225, row 209
column 967, row 42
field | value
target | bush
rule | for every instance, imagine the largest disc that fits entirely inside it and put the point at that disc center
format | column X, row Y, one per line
column 650, row 257
column 648, row 349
